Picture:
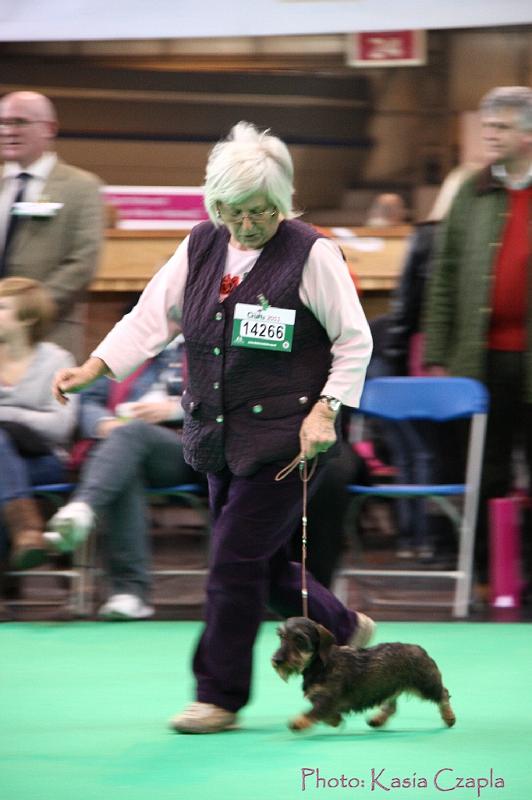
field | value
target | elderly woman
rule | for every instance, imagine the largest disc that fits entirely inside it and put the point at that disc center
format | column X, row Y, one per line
column 276, row 341
column 34, row 427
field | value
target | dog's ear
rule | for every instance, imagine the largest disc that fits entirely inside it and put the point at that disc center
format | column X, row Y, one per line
column 326, row 641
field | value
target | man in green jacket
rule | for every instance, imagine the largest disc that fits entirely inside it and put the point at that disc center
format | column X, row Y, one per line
column 478, row 316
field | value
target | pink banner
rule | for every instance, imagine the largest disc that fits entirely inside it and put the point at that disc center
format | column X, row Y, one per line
column 156, row 207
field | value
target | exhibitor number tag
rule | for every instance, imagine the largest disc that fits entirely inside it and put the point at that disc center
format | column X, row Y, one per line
column 263, row 328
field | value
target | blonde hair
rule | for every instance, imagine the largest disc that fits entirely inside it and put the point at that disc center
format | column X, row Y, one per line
column 33, row 303
column 452, row 182
column 246, row 162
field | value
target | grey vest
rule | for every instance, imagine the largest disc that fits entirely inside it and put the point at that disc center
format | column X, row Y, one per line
column 244, row 407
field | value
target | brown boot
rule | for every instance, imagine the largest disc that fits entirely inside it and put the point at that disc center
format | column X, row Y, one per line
column 25, row 525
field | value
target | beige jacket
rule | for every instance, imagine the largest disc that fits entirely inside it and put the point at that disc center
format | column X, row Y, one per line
column 62, row 251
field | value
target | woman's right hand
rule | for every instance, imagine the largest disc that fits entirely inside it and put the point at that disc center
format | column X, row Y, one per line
column 74, row 379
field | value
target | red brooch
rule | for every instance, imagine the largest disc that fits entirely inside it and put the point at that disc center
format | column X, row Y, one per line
column 228, row 284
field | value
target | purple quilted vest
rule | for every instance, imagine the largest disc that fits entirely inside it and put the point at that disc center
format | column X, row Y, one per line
column 244, row 407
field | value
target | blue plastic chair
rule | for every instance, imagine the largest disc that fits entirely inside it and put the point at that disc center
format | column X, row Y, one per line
column 439, row 400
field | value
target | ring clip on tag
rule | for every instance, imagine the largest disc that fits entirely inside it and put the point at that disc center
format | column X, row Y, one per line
column 263, row 302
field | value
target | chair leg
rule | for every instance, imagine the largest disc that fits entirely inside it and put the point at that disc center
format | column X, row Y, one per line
column 82, row 587
column 464, row 581
column 462, row 598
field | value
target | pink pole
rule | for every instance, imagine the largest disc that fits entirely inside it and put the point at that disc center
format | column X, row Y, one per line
column 505, row 552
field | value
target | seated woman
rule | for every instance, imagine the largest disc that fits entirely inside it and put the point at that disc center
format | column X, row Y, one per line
column 137, row 445
column 34, row 428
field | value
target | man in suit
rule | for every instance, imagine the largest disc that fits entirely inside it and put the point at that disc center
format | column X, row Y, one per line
column 51, row 214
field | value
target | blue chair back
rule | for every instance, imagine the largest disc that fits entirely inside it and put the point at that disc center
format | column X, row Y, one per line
column 437, row 399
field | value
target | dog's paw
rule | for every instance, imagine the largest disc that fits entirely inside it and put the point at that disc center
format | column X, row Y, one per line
column 378, row 720
column 300, row 723
column 447, row 715
column 334, row 720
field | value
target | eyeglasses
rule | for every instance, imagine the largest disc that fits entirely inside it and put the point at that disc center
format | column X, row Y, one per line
column 18, row 122
column 238, row 217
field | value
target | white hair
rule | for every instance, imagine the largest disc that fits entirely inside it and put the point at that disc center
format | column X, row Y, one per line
column 249, row 161
column 518, row 98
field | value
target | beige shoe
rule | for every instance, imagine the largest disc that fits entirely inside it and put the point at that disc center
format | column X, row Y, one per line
column 364, row 632
column 203, row 718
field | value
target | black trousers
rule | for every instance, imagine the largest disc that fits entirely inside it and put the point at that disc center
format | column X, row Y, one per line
column 327, row 509
column 509, row 426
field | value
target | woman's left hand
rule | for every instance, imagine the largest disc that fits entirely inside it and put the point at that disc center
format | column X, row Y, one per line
column 154, row 412
column 317, row 432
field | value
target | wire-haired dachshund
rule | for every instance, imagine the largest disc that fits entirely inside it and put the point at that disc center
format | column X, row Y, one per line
column 338, row 680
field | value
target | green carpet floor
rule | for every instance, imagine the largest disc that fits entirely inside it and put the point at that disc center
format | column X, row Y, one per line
column 83, row 710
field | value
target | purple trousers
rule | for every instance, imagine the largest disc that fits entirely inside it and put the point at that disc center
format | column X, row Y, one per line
column 253, row 519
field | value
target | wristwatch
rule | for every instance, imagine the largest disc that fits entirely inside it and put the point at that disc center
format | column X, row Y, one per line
column 332, row 403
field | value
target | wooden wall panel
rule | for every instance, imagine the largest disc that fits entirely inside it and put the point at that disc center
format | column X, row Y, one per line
column 373, row 130
column 144, row 163
column 484, row 59
column 322, row 173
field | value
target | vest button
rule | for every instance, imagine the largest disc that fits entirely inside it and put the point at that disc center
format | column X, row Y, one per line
column 257, row 409
column 216, row 385
column 216, row 351
column 220, row 418
column 303, row 400
column 218, row 316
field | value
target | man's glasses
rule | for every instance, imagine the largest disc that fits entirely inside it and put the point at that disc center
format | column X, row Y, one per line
column 253, row 216
column 18, row 122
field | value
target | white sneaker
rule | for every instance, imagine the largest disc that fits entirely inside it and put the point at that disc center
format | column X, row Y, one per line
column 69, row 526
column 204, row 718
column 364, row 631
column 125, row 607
